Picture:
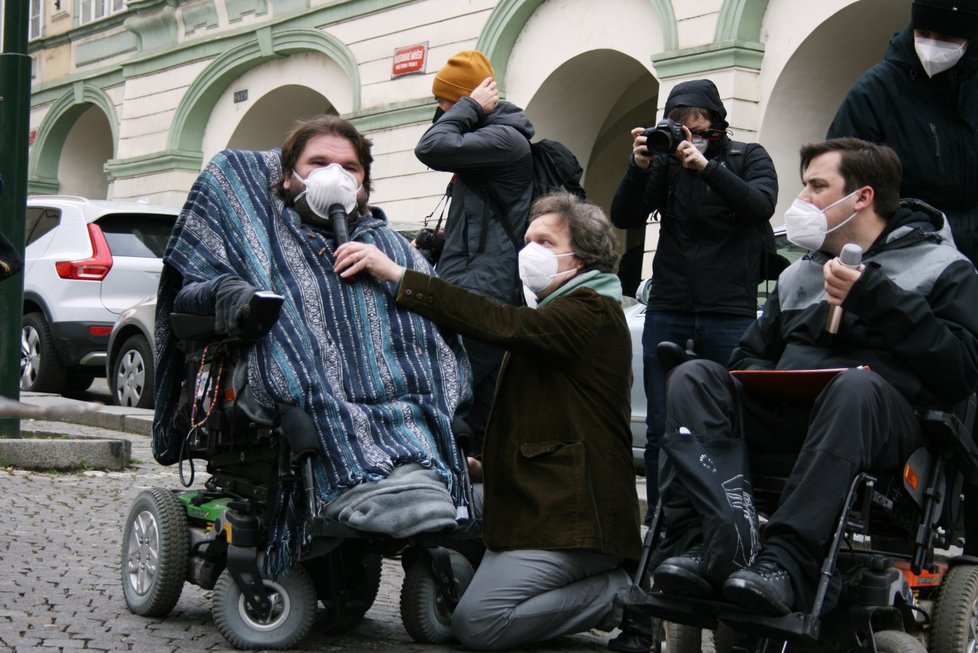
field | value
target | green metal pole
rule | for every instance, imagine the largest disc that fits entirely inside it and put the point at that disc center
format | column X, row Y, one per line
column 15, row 101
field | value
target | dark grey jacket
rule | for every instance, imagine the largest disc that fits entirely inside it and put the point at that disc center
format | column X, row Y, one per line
column 910, row 317
column 490, row 156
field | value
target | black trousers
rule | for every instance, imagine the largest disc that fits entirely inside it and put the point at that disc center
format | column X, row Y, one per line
column 859, row 422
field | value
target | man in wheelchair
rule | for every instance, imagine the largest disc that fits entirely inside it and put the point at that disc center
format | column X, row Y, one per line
column 908, row 340
column 380, row 383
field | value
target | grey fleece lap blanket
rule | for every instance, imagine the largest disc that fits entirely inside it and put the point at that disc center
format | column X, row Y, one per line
column 409, row 501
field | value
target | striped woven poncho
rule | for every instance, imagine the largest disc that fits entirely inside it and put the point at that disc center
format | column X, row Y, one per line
column 381, row 383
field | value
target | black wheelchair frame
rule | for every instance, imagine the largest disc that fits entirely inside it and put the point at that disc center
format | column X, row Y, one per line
column 200, row 535
column 890, row 600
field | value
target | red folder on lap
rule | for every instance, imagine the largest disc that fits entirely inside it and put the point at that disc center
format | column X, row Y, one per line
column 788, row 385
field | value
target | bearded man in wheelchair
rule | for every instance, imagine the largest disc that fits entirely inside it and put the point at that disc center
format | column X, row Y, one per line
column 880, row 339
column 376, row 386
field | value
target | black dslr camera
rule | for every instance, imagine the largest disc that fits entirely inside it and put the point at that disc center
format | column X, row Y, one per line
column 665, row 137
column 430, row 243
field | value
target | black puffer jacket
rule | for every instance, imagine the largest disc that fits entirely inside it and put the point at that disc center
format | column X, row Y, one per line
column 711, row 241
column 910, row 317
column 931, row 123
column 490, row 155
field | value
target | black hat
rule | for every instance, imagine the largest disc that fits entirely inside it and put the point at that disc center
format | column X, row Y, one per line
column 949, row 17
column 700, row 93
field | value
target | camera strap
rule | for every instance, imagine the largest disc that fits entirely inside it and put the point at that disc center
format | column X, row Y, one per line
column 443, row 202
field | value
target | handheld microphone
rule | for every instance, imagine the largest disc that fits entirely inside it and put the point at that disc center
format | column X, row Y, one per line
column 337, row 215
column 851, row 257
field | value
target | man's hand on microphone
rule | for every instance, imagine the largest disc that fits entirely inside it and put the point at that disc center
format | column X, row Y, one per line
column 839, row 279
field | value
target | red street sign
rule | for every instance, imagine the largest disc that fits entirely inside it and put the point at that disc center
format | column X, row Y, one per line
column 410, row 59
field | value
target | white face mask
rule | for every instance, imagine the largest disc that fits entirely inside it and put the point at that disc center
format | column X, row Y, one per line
column 937, row 56
column 538, row 266
column 327, row 186
column 806, row 224
column 700, row 144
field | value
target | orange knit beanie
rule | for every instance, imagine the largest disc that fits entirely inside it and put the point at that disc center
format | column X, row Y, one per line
column 461, row 75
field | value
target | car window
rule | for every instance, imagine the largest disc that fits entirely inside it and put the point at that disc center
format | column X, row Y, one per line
column 137, row 235
column 40, row 220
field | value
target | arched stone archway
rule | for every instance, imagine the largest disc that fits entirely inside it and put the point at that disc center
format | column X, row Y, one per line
column 194, row 113
column 509, row 18
column 83, row 125
column 278, row 93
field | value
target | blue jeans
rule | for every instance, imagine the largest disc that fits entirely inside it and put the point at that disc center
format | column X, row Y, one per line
column 714, row 335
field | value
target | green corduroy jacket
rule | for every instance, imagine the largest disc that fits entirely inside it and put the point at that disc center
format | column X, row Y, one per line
column 557, row 461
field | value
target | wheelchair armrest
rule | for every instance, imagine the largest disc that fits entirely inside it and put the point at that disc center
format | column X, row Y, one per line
column 671, row 355
column 263, row 311
column 951, row 434
column 192, row 326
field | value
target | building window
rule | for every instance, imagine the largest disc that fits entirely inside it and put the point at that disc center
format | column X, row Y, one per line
column 34, row 20
column 90, row 10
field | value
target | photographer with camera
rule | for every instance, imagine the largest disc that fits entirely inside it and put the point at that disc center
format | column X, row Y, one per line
column 714, row 198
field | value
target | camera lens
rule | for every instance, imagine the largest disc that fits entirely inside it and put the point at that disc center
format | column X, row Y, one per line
column 660, row 141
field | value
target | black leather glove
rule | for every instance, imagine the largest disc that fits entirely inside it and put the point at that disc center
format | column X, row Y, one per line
column 231, row 305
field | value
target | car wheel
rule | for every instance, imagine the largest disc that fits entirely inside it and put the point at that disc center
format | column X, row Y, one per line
column 79, row 382
column 132, row 374
column 40, row 368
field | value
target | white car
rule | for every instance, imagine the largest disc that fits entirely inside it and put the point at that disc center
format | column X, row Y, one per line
column 131, row 361
column 86, row 261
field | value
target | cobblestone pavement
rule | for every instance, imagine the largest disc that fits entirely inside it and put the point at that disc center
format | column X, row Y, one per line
column 60, row 586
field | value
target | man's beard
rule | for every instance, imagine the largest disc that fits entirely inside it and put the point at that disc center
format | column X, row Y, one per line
column 307, row 215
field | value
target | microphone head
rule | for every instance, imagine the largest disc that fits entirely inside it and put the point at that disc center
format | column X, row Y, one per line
column 852, row 255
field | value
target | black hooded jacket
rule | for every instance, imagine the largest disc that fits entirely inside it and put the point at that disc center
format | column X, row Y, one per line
column 711, row 240
column 931, row 123
column 490, row 156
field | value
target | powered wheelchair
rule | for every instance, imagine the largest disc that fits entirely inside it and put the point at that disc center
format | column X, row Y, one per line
column 215, row 537
column 907, row 598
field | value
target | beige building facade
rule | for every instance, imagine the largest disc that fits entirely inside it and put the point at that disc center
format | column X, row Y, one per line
column 131, row 99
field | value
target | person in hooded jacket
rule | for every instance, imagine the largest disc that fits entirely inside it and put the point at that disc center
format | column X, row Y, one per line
column 922, row 101
column 486, row 143
column 908, row 340
column 714, row 198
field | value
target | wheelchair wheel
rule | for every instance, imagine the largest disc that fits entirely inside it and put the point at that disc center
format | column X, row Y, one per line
column 425, row 612
column 155, row 551
column 955, row 628
column 681, row 638
column 896, row 641
column 361, row 587
column 293, row 596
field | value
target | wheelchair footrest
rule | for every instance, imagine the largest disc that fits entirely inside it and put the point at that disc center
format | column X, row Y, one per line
column 705, row 613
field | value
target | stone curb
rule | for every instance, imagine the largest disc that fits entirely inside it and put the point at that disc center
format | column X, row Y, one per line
column 46, row 450
column 138, row 421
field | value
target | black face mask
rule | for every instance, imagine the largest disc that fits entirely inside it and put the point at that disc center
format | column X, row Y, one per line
column 439, row 112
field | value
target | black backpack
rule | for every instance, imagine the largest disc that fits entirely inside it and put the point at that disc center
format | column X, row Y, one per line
column 554, row 168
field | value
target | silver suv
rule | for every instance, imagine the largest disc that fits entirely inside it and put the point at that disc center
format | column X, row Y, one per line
column 86, row 261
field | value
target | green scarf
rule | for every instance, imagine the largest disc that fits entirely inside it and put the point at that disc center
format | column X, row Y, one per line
column 603, row 283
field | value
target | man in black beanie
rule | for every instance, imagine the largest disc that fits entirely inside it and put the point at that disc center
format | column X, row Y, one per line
column 922, row 101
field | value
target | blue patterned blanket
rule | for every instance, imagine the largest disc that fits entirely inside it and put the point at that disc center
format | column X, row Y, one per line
column 381, row 383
